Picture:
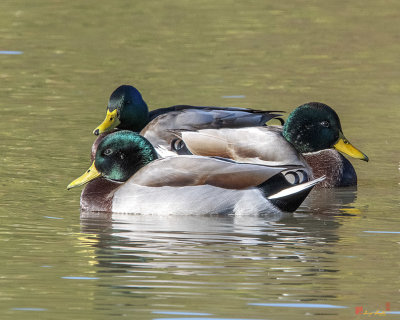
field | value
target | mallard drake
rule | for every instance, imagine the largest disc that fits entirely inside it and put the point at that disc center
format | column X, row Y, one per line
column 307, row 138
column 127, row 110
column 127, row 177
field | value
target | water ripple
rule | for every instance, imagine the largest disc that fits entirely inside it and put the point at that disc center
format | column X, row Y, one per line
column 203, row 319
column 182, row 313
column 29, row 309
column 298, row 305
column 80, row 278
column 390, row 232
column 11, row 52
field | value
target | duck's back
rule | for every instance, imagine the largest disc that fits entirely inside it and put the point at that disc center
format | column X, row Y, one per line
column 259, row 116
column 162, row 121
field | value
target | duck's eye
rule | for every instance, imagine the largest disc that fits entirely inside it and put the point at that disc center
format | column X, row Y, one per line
column 107, row 152
column 325, row 124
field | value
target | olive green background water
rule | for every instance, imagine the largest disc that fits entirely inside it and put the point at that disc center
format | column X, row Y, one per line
column 342, row 247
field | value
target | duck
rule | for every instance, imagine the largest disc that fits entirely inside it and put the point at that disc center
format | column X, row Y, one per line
column 126, row 110
column 311, row 137
column 127, row 176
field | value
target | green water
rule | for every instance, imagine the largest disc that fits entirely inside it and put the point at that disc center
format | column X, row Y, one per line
column 260, row 54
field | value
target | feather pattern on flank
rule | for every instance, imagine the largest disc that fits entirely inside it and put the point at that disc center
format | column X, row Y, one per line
column 204, row 199
column 259, row 145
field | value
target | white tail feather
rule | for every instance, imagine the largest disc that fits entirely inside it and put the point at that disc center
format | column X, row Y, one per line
column 296, row 189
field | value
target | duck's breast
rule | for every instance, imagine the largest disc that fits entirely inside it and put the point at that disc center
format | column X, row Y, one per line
column 338, row 170
column 98, row 194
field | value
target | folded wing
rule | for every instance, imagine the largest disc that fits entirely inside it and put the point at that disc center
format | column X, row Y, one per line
column 193, row 170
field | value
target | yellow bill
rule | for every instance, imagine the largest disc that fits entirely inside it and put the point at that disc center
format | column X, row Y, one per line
column 109, row 123
column 343, row 145
column 89, row 175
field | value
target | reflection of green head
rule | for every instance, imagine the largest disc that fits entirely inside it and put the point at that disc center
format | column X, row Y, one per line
column 132, row 111
column 312, row 127
column 122, row 153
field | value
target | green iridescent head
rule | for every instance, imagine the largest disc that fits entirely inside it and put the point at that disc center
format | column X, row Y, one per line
column 119, row 156
column 314, row 126
column 126, row 110
column 123, row 153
